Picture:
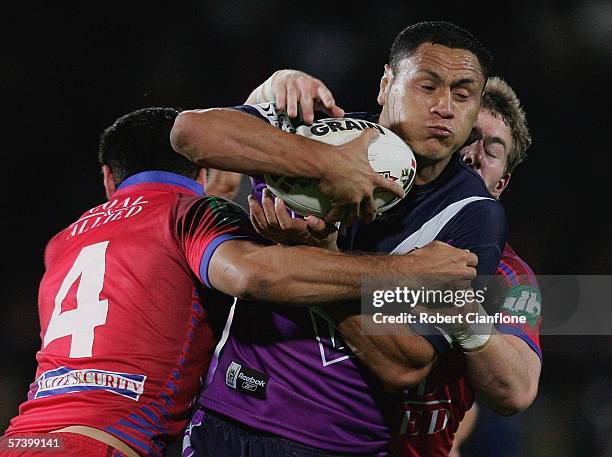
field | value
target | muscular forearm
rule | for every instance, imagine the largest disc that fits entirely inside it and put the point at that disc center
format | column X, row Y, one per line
column 230, row 140
column 303, row 275
column 504, row 374
column 308, row 275
column 400, row 359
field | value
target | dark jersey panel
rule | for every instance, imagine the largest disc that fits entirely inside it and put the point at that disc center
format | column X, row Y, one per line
column 481, row 228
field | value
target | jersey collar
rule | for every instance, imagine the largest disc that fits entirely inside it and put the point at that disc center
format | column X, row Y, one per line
column 447, row 173
column 162, row 177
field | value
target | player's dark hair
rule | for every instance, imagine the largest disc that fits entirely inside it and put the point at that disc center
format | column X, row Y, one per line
column 438, row 32
column 140, row 141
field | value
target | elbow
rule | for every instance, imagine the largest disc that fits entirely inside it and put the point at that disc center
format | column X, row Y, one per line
column 254, row 282
column 246, row 285
column 184, row 132
column 513, row 403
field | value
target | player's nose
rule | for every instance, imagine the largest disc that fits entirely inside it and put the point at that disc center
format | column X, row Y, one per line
column 471, row 159
column 443, row 105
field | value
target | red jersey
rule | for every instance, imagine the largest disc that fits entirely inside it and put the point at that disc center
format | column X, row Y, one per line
column 431, row 412
column 124, row 318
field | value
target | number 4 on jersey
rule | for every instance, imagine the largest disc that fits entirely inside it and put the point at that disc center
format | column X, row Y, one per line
column 90, row 311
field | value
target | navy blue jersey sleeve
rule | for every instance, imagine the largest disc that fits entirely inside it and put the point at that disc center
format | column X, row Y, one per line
column 250, row 109
column 266, row 112
column 481, row 227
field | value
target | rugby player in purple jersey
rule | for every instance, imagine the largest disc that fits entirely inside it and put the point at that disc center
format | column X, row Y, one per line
column 496, row 146
column 287, row 363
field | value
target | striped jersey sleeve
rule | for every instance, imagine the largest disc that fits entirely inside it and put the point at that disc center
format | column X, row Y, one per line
column 520, row 297
column 203, row 224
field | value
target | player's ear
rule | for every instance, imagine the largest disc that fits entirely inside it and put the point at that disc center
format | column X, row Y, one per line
column 201, row 178
column 109, row 182
column 501, row 185
column 384, row 85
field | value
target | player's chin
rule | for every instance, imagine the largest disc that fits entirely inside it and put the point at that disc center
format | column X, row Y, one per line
column 434, row 149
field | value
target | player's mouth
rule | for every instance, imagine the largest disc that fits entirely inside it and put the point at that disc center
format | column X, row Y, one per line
column 439, row 131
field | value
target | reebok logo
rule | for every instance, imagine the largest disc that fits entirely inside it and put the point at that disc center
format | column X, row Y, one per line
column 246, row 381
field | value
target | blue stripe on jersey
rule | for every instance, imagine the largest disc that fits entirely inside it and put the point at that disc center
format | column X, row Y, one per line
column 167, row 400
column 172, row 387
column 151, row 415
column 508, row 273
column 162, row 409
column 130, row 439
column 145, row 430
column 195, row 306
column 162, row 177
column 145, row 423
column 210, row 250
column 509, row 330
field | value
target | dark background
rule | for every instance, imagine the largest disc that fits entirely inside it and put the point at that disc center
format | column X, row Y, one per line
column 69, row 69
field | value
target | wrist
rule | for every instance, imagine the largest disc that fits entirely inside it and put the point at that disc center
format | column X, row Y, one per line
column 476, row 337
column 324, row 164
column 265, row 94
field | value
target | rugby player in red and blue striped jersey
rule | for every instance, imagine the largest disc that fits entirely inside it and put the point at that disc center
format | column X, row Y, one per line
column 132, row 289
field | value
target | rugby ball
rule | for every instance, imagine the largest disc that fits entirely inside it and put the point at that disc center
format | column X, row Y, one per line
column 389, row 156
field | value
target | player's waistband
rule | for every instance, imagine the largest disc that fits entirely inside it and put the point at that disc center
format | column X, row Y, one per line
column 99, row 435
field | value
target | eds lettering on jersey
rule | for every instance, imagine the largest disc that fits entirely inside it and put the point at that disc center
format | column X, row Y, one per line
column 426, row 411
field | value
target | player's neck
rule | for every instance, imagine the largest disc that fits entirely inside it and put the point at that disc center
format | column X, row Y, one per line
column 428, row 169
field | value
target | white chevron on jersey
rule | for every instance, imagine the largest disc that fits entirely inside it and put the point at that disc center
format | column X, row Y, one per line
column 430, row 229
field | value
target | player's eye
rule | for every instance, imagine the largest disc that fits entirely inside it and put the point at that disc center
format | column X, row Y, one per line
column 491, row 153
column 461, row 95
column 428, row 87
column 495, row 150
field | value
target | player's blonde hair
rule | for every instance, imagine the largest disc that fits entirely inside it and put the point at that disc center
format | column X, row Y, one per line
column 500, row 99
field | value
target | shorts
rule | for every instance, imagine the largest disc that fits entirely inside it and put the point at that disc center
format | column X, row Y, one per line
column 213, row 435
column 73, row 445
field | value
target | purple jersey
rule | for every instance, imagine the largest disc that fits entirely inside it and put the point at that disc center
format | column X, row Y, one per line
column 287, row 372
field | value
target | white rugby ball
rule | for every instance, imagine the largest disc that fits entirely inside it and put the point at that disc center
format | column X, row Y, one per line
column 389, row 155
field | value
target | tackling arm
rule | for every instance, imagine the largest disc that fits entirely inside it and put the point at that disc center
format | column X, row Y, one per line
column 231, row 140
column 504, row 374
column 303, row 275
column 399, row 360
